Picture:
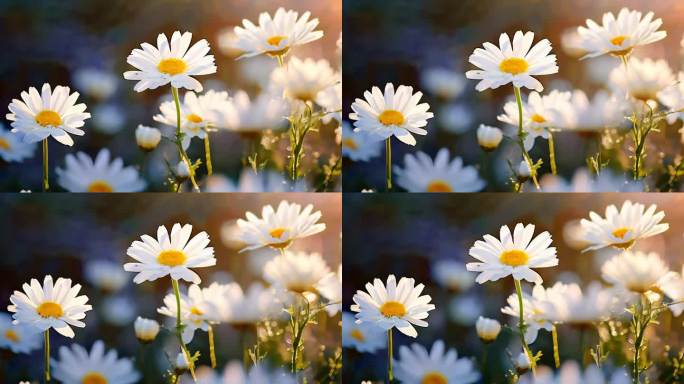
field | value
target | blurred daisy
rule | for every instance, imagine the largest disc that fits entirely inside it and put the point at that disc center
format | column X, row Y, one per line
column 513, row 254
column 146, row 330
column 671, row 97
column 540, row 309
column 147, row 138
column 643, row 80
column 487, row 329
column 304, row 79
column 672, row 285
column 264, row 181
column 55, row 113
column 330, row 99
column 296, row 271
column 586, row 308
column 105, row 275
column 50, row 305
column 279, row 228
column 619, row 36
column 199, row 309
column 393, row 305
column 227, row 42
column 172, row 63
column 266, row 112
column 118, row 310
column 359, row 146
column 330, row 287
column 364, row 337
column 489, row 137
column 422, row 174
column 391, row 113
column 108, row 118
column 83, row 174
column 515, row 63
column 170, row 255
column 235, row 373
column 465, row 309
column 95, row 82
column 620, row 229
column 257, row 71
column 12, row 148
column 247, row 308
column 584, row 181
column 417, row 365
column 19, row 338
column 455, row 118
column 275, row 36
column 451, row 274
column 571, row 373
column 76, row 365
column 444, row 83
column 635, row 271
column 603, row 111
column 571, row 42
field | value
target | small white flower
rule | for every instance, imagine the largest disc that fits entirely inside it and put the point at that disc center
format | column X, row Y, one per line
column 443, row 83
column 182, row 364
column 147, row 138
column 249, row 181
column 50, row 305
column 487, row 329
column 182, row 170
column 513, row 254
column 118, row 310
column 330, row 99
column 359, row 146
column 417, row 365
column 585, row 181
column 172, row 63
column 524, row 171
column 19, row 338
column 464, row 310
column 594, row 305
column 393, row 305
column 275, row 36
column 235, row 373
column 304, row 79
column 296, row 271
column 451, row 274
column 76, row 366
column 455, row 118
column 489, row 137
column 95, row 82
column 672, row 285
column 643, row 80
column 571, row 373
column 266, row 112
column 673, row 98
column 199, row 309
column 108, row 118
column 620, row 229
column 515, row 63
column 146, row 330
column 619, row 36
column 522, row 362
column 635, row 271
column 279, row 228
column 603, row 111
column 330, row 287
column 422, row 174
column 540, row 309
column 83, row 174
column 391, row 113
column 105, row 275
column 245, row 308
column 364, row 337
column 12, row 148
column 55, row 113
column 172, row 255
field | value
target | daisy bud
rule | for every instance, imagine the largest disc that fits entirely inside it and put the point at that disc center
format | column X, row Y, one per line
column 488, row 137
column 522, row 363
column 182, row 364
column 147, row 137
column 487, row 329
column 182, row 171
column 146, row 330
column 524, row 171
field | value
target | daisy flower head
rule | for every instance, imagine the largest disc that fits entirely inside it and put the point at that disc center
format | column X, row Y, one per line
column 278, row 228
column 620, row 229
column 199, row 308
column 19, row 338
column 172, row 63
column 444, row 83
column 515, row 63
column 643, row 80
column 422, row 174
column 487, row 329
column 276, row 36
column 95, row 82
column 389, row 113
column 106, row 275
column 265, row 112
column 364, row 337
column 304, row 79
column 55, row 113
column 393, row 305
column 594, row 305
column 172, row 255
column 146, row 330
column 330, row 99
column 540, row 309
column 513, row 254
column 330, row 287
column 50, row 305
column 359, row 146
column 619, row 36
column 672, row 97
column 635, row 271
column 77, row 365
column 296, row 271
column 418, row 365
column 452, row 274
column 83, row 174
column 12, row 148
column 244, row 308
column 604, row 110
column 489, row 137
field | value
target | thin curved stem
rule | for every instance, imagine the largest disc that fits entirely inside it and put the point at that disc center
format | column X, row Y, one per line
column 207, row 154
column 179, row 328
column 556, row 354
column 46, row 180
column 212, row 353
column 388, row 163
column 390, row 372
column 552, row 155
column 179, row 144
column 521, row 324
column 521, row 137
column 47, row 355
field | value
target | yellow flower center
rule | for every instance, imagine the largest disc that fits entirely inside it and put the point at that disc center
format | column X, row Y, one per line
column 275, row 40
column 439, row 186
column 171, row 258
column 11, row 336
column 434, row 378
column 514, row 66
column 393, row 308
column 514, row 258
column 4, row 144
column 620, row 233
column 172, row 66
column 93, row 378
column 391, row 117
column 537, row 118
column 48, row 118
column 350, row 143
column 196, row 311
column 100, row 186
column 50, row 309
column 278, row 233
column 618, row 40
column 193, row 118
column 357, row 335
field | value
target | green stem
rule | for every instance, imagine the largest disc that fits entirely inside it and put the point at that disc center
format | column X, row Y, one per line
column 299, row 330
column 556, row 355
column 281, row 62
column 212, row 353
column 485, row 371
column 179, row 328
column 181, row 152
column 521, row 324
column 46, row 181
column 390, row 372
column 47, row 355
column 521, row 137
column 552, row 155
column 207, row 154
column 388, row 163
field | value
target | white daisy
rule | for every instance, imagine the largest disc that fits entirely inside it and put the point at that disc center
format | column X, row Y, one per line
column 118, row 310
column 489, row 137
column 417, row 365
column 173, row 63
column 515, row 63
column 672, row 97
column 257, row 71
column 451, row 274
column 391, row 113
column 513, row 254
column 12, row 148
column 571, row 373
column 541, row 309
column 619, row 36
column 571, row 42
column 249, row 307
column 109, row 118
column 393, row 305
column 444, row 83
column 603, row 111
column 364, row 337
column 296, row 271
column 235, row 373
column 279, row 228
column 422, row 174
column 643, row 80
column 266, row 112
column 170, row 255
column 105, row 275
column 593, row 305
column 264, row 181
column 620, row 229
column 55, row 113
column 275, row 36
column 146, row 330
column 95, row 82
column 19, row 338
column 330, row 287
column 359, row 146
column 672, row 285
column 330, row 99
column 635, row 271
column 147, row 138
column 585, row 181
column 83, row 174
column 78, row 366
column 227, row 42
column 456, row 118
column 199, row 309
column 304, row 79
column 487, row 329
column 50, row 305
